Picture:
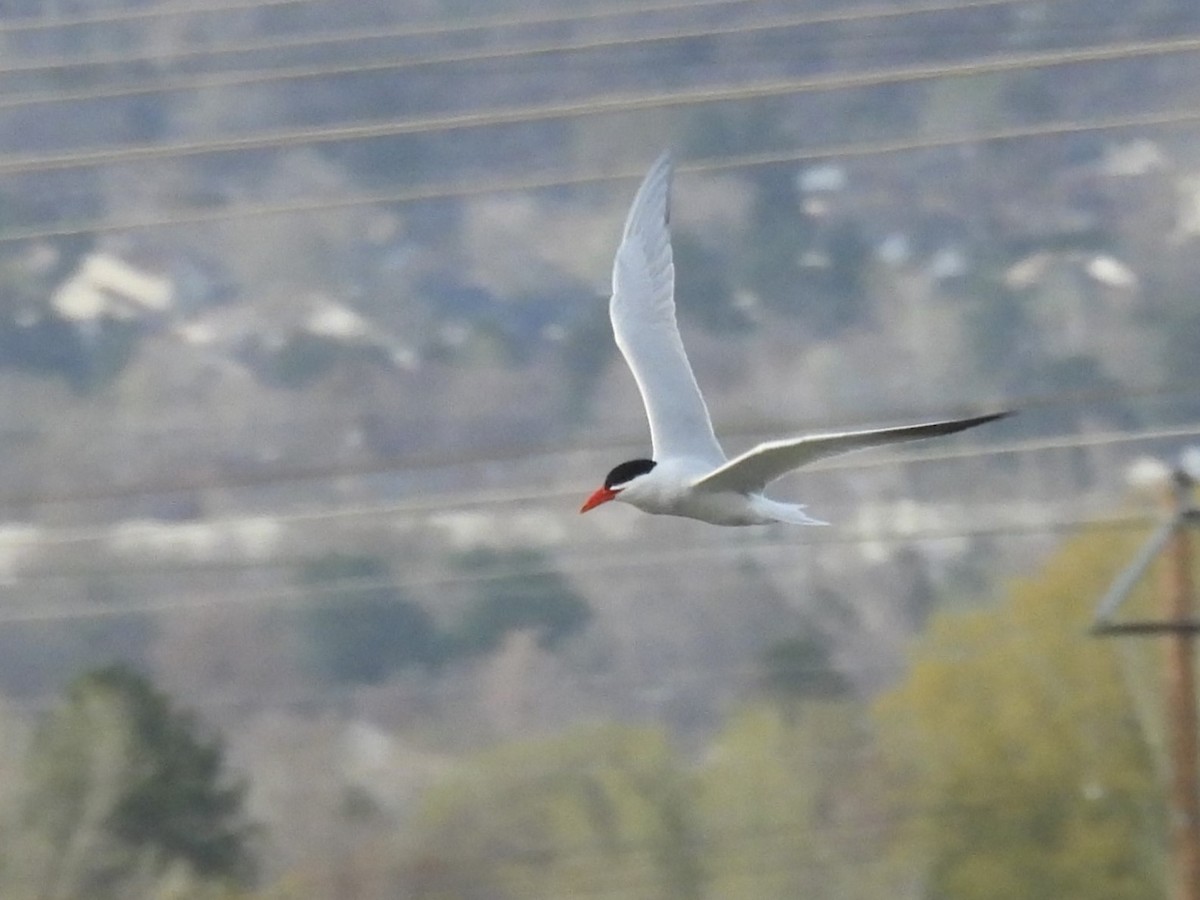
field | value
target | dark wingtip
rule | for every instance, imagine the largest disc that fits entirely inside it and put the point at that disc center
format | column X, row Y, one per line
column 992, row 417
column 974, row 421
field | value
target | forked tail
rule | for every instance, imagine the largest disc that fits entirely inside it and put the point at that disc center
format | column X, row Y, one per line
column 791, row 513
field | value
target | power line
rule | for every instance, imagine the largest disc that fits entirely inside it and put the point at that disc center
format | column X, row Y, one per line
column 486, row 498
column 613, row 103
column 1046, row 524
column 343, row 591
column 199, row 216
column 297, row 73
column 123, row 16
column 483, row 23
column 437, row 28
column 726, row 427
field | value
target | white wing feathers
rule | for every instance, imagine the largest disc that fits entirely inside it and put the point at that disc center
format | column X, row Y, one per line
column 643, row 320
column 753, row 470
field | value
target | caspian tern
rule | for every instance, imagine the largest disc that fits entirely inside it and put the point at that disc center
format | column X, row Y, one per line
column 688, row 474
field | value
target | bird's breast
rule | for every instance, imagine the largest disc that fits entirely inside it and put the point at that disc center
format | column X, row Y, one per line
column 717, row 508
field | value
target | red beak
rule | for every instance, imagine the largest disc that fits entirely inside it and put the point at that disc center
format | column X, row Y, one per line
column 601, row 496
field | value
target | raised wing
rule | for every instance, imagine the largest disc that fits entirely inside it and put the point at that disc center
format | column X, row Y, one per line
column 643, row 320
column 753, row 470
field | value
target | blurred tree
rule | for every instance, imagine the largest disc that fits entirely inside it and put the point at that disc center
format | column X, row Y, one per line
column 1016, row 747
column 727, row 129
column 789, row 808
column 362, row 633
column 1003, row 340
column 14, row 747
column 124, row 798
column 1083, row 374
column 302, row 359
column 914, row 588
column 587, row 351
column 849, row 263
column 779, row 233
column 799, row 668
column 522, row 596
column 599, row 810
column 700, row 275
column 1181, row 355
column 87, row 357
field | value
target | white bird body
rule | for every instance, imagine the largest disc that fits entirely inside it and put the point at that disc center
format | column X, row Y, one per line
column 669, row 490
column 689, row 474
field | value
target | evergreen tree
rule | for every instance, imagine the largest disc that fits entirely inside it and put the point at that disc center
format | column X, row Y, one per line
column 124, row 789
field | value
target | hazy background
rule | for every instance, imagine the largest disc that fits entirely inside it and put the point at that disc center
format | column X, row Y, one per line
column 306, row 369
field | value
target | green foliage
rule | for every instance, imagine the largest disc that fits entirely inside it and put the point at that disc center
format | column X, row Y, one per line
column 599, row 810
column 789, row 807
column 360, row 633
column 781, row 807
column 124, row 791
column 361, row 629
column 178, row 801
column 799, row 668
column 518, row 598
column 1016, row 740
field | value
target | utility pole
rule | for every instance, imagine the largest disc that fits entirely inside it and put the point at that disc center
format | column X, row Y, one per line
column 1173, row 542
column 1181, row 695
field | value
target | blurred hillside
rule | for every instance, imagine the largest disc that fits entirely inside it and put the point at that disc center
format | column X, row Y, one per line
column 306, row 363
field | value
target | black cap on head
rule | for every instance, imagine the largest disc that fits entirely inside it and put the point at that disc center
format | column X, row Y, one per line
column 627, row 471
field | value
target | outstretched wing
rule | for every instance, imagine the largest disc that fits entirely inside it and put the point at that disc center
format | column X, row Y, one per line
column 753, row 470
column 643, row 320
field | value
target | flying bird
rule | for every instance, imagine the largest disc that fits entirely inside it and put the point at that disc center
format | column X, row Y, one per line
column 688, row 474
